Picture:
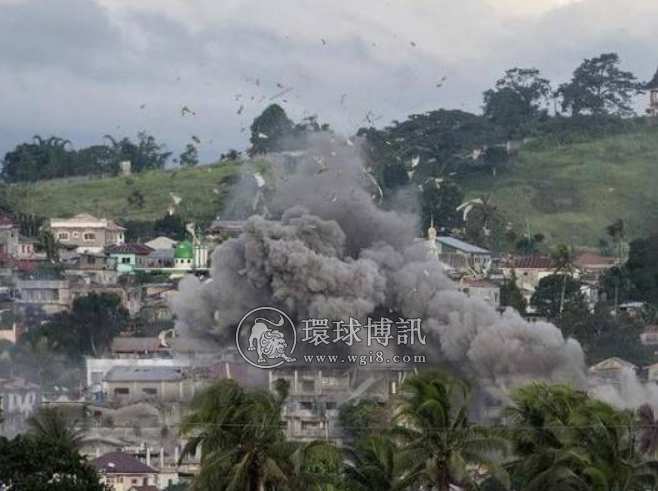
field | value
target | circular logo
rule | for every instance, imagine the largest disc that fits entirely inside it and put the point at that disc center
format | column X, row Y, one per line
column 266, row 338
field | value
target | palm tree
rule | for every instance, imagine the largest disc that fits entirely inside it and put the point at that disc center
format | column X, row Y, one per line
column 562, row 255
column 617, row 231
column 240, row 436
column 441, row 445
column 51, row 424
column 565, row 441
column 374, row 463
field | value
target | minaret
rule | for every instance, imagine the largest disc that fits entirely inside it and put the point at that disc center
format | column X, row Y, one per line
column 432, row 249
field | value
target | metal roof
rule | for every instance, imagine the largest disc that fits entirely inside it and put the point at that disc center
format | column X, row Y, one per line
column 462, row 246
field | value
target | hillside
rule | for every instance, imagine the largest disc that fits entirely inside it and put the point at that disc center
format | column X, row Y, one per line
column 571, row 193
column 200, row 188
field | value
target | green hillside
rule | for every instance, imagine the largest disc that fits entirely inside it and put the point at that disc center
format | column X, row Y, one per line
column 571, row 193
column 201, row 190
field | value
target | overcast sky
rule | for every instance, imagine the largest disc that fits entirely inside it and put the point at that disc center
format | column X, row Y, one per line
column 84, row 68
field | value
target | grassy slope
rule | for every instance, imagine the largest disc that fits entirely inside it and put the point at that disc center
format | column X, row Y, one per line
column 572, row 193
column 108, row 197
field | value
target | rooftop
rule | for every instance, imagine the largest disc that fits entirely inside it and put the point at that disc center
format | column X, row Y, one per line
column 461, row 245
column 144, row 374
column 121, row 463
column 130, row 248
column 532, row 262
column 85, row 220
column 135, row 345
column 594, row 259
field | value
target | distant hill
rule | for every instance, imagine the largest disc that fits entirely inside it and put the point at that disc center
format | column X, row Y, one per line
column 201, row 189
column 572, row 192
column 569, row 192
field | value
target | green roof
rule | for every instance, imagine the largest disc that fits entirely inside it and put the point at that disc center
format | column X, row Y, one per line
column 184, row 250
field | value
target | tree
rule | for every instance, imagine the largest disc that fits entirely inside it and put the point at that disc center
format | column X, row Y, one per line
column 556, row 293
column 240, row 436
column 642, row 268
column 89, row 327
column 562, row 256
column 270, row 130
column 374, row 464
column 35, row 464
column 362, row 419
column 439, row 203
column 145, row 154
column 517, row 99
column 599, row 87
column 440, row 442
column 565, row 440
column 648, row 426
column 511, row 296
column 617, row 232
column 189, row 157
column 50, row 423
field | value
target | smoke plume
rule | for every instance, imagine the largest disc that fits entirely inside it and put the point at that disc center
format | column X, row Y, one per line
column 327, row 250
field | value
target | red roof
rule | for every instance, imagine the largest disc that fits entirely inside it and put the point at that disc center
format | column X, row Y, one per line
column 594, row 259
column 121, row 463
column 139, row 249
column 533, row 262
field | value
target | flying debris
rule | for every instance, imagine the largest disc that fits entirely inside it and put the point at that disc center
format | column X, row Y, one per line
column 281, row 93
column 441, row 82
column 324, row 42
column 196, row 139
column 414, row 162
column 186, row 110
column 279, row 85
column 240, row 109
column 349, row 142
column 322, row 164
column 263, row 136
column 142, row 106
column 175, row 199
column 342, row 99
column 413, row 44
column 260, row 182
column 467, row 206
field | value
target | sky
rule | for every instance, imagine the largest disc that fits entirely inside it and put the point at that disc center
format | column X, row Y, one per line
column 81, row 69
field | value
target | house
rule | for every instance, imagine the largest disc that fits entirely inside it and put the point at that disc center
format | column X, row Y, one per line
column 48, row 293
column 128, row 347
column 476, row 258
column 161, row 243
column 649, row 335
column 226, row 228
column 9, row 236
column 18, row 400
column 611, row 371
column 481, row 288
column 529, row 271
column 592, row 264
column 121, row 471
column 129, row 384
column 129, row 256
column 86, row 232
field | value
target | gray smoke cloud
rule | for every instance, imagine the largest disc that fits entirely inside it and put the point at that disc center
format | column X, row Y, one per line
column 333, row 253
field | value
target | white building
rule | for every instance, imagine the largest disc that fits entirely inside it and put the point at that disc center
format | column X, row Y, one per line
column 87, row 233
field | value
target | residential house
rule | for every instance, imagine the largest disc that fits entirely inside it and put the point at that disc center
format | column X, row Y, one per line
column 9, row 236
column 100, row 267
column 652, row 87
column 129, row 256
column 121, row 471
column 161, row 243
column 649, row 335
column 529, row 271
column 129, row 347
column 129, row 384
column 48, row 293
column 462, row 254
column 611, row 371
column 226, row 228
column 18, row 400
column 481, row 288
column 86, row 232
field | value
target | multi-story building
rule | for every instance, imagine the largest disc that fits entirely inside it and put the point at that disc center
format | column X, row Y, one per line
column 481, row 288
column 86, row 232
column 121, row 471
column 47, row 295
column 18, row 400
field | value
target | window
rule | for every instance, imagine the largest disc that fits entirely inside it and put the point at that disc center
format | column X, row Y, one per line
column 125, row 260
column 76, row 235
column 89, row 237
column 91, row 260
column 148, row 391
column 306, row 405
column 63, row 236
column 121, row 391
column 331, row 406
column 308, row 385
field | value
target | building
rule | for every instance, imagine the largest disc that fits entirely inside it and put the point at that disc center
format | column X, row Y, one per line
column 86, row 232
column 18, row 400
column 529, row 271
column 481, row 288
column 611, row 371
column 462, row 254
column 121, row 471
column 161, row 243
column 129, row 347
column 649, row 335
column 166, row 384
column 47, row 295
column 226, row 228
column 591, row 265
column 129, row 257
